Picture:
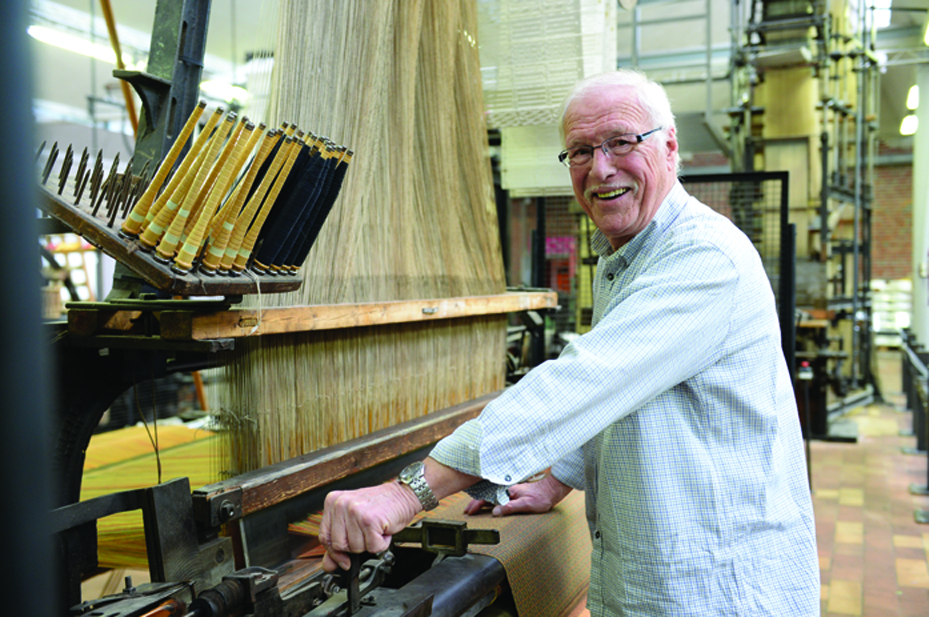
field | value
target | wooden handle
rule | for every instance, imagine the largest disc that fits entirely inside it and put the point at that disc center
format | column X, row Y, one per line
column 172, row 237
column 221, row 233
column 252, row 236
column 191, row 247
column 133, row 222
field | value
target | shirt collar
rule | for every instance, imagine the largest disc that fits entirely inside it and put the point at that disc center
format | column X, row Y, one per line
column 668, row 210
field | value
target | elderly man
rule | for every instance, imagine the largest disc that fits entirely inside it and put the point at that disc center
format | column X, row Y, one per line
column 675, row 413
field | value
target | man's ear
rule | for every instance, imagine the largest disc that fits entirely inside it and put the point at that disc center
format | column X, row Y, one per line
column 672, row 146
column 671, row 142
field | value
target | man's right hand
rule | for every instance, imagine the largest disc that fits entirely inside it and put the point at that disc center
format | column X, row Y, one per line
column 531, row 497
column 364, row 521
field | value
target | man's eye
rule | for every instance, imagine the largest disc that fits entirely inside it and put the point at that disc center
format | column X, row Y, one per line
column 618, row 144
column 579, row 154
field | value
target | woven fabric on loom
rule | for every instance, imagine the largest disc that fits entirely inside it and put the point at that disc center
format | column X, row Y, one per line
column 130, row 442
column 130, row 464
column 546, row 556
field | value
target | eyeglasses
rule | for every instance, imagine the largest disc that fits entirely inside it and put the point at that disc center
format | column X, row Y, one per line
column 615, row 146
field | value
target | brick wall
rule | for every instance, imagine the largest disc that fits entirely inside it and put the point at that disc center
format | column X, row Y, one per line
column 892, row 221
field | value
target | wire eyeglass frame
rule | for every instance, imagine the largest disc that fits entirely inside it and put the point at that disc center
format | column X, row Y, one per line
column 614, row 146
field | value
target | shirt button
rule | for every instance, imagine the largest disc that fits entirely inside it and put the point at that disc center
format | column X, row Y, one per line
column 507, row 478
column 609, row 277
column 597, row 535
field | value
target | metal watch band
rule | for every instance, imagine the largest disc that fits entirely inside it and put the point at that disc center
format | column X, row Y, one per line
column 414, row 477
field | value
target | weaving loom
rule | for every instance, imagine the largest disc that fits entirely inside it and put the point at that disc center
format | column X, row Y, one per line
column 369, row 325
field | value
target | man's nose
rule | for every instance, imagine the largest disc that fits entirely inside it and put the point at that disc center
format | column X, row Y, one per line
column 602, row 165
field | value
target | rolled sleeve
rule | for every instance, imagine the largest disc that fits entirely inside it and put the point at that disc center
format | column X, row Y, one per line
column 461, row 451
column 570, row 470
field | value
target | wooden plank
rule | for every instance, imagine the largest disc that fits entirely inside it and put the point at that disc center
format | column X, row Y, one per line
column 283, row 320
column 277, row 483
column 813, row 323
column 82, row 322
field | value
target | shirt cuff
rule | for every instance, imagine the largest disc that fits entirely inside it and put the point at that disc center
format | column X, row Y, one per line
column 462, row 451
column 489, row 492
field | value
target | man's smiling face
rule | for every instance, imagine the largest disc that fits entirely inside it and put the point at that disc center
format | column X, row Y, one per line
column 619, row 193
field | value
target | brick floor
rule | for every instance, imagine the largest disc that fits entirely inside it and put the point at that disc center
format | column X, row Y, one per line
column 872, row 552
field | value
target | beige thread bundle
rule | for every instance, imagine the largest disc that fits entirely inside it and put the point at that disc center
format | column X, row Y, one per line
column 400, row 82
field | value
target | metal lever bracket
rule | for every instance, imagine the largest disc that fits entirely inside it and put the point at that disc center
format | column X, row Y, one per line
column 446, row 538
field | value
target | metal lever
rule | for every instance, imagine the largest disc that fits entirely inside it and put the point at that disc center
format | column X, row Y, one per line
column 350, row 577
column 446, row 538
column 371, row 574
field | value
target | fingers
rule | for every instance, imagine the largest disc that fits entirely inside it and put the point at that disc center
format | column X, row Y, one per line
column 350, row 526
column 363, row 521
column 374, row 541
column 516, row 506
column 333, row 560
column 532, row 497
column 475, row 506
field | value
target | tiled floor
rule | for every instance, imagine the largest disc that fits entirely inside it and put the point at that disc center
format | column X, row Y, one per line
column 872, row 552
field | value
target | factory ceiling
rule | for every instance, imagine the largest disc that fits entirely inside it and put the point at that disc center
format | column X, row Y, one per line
column 674, row 41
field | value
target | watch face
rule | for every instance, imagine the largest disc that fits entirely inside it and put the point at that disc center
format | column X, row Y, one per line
column 410, row 472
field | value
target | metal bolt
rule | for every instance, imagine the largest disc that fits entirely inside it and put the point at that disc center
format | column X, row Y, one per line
column 226, row 511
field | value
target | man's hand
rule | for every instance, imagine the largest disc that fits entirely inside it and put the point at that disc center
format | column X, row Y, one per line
column 532, row 497
column 364, row 520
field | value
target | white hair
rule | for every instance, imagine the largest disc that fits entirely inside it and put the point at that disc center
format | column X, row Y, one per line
column 651, row 96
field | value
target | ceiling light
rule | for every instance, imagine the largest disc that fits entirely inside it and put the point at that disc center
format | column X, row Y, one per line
column 881, row 13
column 926, row 30
column 224, row 91
column 909, row 124
column 912, row 97
column 73, row 43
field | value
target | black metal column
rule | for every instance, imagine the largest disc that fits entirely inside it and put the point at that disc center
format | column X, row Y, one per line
column 171, row 84
column 537, row 350
column 24, row 378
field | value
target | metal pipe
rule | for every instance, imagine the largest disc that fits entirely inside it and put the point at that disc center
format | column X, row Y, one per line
column 914, row 360
column 824, row 138
column 708, row 111
column 859, row 156
column 114, row 42
column 636, row 35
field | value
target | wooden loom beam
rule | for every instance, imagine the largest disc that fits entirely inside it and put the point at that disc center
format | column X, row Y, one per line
column 265, row 487
column 287, row 320
column 185, row 324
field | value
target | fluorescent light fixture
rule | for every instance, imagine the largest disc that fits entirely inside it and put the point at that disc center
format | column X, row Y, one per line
column 909, row 125
column 926, row 30
column 912, row 97
column 224, row 91
column 881, row 13
column 73, row 43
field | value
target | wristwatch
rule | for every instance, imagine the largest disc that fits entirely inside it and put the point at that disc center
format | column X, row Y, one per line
column 414, row 476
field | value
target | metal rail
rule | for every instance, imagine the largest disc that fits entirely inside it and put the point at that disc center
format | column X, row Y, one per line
column 916, row 386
